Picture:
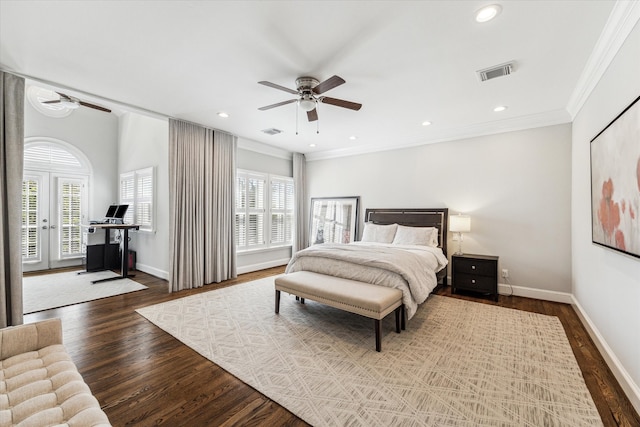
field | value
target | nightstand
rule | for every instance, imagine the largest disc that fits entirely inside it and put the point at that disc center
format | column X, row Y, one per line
column 478, row 273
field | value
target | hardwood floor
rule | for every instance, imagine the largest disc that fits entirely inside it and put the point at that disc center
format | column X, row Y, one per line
column 143, row 376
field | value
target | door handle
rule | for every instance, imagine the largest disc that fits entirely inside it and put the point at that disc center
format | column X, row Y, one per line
column 52, row 226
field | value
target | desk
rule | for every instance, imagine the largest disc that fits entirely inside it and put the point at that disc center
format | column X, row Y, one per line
column 125, row 246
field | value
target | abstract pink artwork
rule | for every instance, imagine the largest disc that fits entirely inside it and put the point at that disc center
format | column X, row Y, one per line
column 615, row 183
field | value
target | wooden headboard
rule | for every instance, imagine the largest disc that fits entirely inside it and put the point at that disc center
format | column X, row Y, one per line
column 429, row 217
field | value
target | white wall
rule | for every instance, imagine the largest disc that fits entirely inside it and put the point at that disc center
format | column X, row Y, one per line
column 515, row 186
column 144, row 142
column 93, row 132
column 606, row 284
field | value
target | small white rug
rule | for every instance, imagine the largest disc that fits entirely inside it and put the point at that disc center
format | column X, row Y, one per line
column 48, row 291
column 459, row 363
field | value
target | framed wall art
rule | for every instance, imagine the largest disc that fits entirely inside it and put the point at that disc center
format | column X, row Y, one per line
column 615, row 183
column 333, row 220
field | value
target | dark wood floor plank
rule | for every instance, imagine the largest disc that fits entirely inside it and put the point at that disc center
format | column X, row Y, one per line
column 143, row 376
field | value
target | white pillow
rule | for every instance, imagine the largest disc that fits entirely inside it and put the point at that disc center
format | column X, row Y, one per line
column 425, row 236
column 376, row 233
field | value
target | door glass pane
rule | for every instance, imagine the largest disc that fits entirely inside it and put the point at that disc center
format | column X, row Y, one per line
column 30, row 247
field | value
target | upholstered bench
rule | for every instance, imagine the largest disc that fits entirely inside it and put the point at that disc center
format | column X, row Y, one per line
column 39, row 384
column 365, row 299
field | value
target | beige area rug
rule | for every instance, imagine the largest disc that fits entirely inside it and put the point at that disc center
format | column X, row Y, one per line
column 458, row 363
column 48, row 291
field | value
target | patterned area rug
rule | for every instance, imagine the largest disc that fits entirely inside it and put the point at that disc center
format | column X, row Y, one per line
column 459, row 363
column 48, row 291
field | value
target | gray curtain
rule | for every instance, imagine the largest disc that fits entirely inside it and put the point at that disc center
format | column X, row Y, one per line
column 201, row 205
column 300, row 240
column 11, row 161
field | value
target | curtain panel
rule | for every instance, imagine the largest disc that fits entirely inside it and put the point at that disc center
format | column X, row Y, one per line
column 300, row 240
column 11, row 163
column 201, row 205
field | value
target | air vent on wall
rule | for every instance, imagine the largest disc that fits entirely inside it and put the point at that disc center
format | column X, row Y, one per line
column 272, row 131
column 495, row 71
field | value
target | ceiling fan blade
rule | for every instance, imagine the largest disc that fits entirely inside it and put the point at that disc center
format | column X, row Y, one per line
column 55, row 101
column 312, row 115
column 328, row 84
column 94, row 106
column 268, row 107
column 64, row 96
column 275, row 86
column 341, row 103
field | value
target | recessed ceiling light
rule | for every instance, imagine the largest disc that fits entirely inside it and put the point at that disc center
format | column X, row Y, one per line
column 223, row 114
column 312, row 145
column 487, row 13
column 353, row 137
column 500, row 108
column 426, row 123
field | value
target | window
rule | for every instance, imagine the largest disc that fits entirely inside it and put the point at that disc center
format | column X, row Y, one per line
column 136, row 190
column 264, row 210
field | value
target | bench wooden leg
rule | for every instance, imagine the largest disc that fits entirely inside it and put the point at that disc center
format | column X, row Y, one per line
column 404, row 315
column 378, row 334
column 398, row 312
column 277, row 301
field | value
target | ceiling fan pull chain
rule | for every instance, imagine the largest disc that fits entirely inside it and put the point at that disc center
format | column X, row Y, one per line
column 317, row 123
column 296, row 121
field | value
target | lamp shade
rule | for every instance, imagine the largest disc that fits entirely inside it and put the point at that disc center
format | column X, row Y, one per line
column 460, row 223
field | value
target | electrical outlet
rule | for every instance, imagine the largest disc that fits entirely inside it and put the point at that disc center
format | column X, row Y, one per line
column 505, row 273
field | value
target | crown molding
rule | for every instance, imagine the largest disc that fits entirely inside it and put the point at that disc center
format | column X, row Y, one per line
column 531, row 121
column 623, row 18
column 259, row 147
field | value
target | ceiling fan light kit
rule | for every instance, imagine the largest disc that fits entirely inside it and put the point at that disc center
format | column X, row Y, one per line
column 307, row 102
column 69, row 103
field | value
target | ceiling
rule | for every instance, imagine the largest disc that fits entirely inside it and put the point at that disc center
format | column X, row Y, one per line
column 407, row 62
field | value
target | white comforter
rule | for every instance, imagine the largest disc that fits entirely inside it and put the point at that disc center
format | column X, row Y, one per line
column 412, row 269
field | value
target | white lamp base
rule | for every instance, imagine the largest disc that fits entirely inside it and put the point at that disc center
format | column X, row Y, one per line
column 460, row 238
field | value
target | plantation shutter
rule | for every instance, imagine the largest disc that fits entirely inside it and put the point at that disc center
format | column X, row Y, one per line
column 127, row 195
column 70, row 193
column 255, row 208
column 241, row 211
column 30, row 244
column 144, row 199
column 281, row 211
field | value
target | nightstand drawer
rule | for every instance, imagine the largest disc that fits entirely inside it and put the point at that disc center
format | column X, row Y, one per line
column 475, row 283
column 476, row 267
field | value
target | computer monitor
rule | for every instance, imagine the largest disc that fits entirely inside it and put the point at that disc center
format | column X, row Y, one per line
column 111, row 212
column 121, row 211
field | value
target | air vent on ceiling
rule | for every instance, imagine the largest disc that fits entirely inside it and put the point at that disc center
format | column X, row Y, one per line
column 272, row 131
column 495, row 71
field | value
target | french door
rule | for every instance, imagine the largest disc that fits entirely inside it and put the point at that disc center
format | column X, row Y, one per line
column 54, row 206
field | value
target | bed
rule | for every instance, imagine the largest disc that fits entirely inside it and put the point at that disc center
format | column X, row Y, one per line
column 404, row 249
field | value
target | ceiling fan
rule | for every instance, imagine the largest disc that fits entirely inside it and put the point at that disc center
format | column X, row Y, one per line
column 308, row 89
column 73, row 103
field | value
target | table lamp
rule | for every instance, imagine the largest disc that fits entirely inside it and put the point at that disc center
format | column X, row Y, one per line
column 459, row 224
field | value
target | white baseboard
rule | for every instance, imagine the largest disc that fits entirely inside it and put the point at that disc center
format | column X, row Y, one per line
column 630, row 388
column 153, row 271
column 542, row 294
column 263, row 265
